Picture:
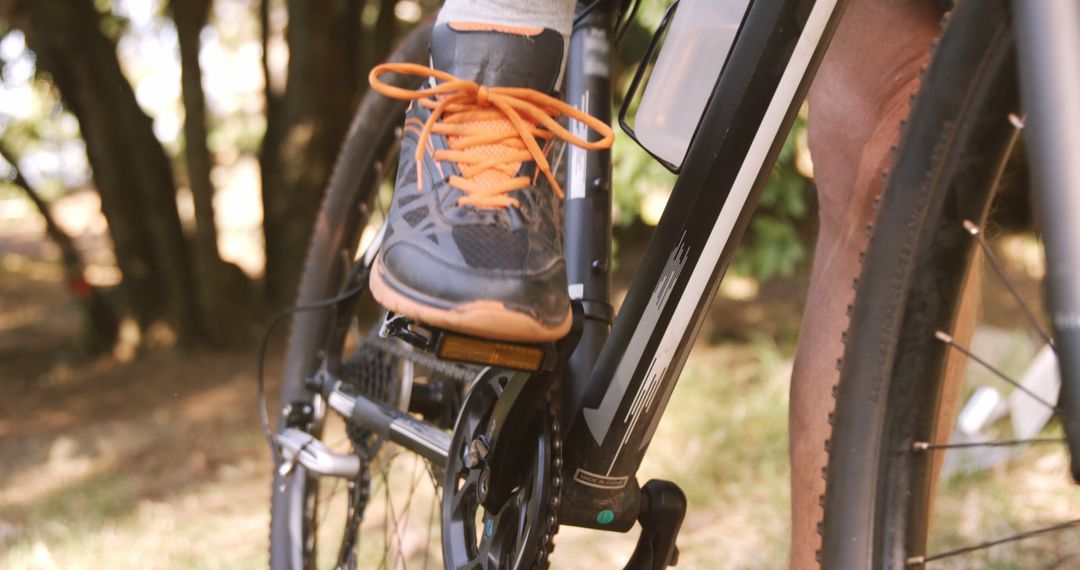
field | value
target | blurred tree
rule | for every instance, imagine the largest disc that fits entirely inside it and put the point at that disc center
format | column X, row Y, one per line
column 131, row 170
column 305, row 127
column 224, row 291
column 383, row 36
column 102, row 324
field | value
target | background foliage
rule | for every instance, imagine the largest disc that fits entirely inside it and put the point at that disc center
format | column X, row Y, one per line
column 212, row 101
column 775, row 243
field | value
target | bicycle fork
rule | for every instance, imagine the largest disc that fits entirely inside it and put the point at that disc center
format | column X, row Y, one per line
column 1048, row 41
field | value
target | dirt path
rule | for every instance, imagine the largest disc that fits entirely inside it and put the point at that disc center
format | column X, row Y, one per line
column 160, row 456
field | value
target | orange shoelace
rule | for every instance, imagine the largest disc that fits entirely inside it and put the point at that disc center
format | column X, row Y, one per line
column 491, row 131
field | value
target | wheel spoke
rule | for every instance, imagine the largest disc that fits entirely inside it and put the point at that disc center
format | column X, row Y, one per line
column 920, row 560
column 436, row 503
column 430, row 520
column 400, row 525
column 1000, row 271
column 924, row 446
column 354, row 514
column 949, row 340
column 389, row 518
column 324, row 502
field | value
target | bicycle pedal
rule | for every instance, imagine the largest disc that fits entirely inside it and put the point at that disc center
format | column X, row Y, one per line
column 408, row 330
column 457, row 347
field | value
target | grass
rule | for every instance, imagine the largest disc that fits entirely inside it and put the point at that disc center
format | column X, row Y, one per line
column 109, row 521
column 103, row 523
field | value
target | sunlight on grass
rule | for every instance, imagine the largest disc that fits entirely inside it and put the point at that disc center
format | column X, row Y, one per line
column 104, row 524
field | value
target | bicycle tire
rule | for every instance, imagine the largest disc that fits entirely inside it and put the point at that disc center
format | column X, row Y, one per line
column 953, row 149
column 342, row 216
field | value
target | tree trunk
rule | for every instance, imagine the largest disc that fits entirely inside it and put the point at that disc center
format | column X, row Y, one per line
column 102, row 323
column 130, row 168
column 385, row 32
column 305, row 127
column 223, row 313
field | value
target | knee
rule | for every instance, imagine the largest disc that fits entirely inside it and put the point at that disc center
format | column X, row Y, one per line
column 860, row 96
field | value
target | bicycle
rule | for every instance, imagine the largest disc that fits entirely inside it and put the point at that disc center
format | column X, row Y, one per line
column 525, row 438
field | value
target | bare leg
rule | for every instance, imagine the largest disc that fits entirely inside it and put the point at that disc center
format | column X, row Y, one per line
column 858, row 99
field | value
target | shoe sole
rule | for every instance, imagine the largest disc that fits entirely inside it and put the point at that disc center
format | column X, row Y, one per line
column 486, row 319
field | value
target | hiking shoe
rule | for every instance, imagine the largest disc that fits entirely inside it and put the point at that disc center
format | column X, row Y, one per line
column 473, row 239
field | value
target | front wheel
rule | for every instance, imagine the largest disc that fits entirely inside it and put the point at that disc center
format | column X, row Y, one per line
column 900, row 493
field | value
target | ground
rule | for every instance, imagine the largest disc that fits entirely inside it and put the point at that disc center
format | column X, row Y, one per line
column 157, row 460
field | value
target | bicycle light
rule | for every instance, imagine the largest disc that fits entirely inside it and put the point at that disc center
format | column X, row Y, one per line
column 696, row 37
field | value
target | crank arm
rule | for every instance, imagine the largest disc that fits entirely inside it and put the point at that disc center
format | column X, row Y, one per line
column 523, row 397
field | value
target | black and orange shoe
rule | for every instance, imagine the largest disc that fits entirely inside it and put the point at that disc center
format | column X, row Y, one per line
column 473, row 239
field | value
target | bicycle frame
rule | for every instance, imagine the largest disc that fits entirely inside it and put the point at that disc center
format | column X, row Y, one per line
column 624, row 370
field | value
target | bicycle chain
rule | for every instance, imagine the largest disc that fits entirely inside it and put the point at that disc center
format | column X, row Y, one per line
column 454, row 371
column 369, row 374
column 360, row 438
column 362, row 488
column 548, row 546
column 466, row 375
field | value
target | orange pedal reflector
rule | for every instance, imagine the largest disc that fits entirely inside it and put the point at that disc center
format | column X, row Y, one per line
column 490, row 352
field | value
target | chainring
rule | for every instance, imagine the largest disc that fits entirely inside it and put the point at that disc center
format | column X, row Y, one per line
column 520, row 536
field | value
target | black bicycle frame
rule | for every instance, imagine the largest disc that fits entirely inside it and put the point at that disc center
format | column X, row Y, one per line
column 624, row 370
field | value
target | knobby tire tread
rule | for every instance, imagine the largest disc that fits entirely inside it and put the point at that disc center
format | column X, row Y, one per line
column 936, row 172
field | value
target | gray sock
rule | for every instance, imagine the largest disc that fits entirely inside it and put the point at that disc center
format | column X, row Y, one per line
column 556, row 15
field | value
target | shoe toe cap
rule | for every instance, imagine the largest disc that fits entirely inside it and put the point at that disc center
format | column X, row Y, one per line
column 436, row 282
